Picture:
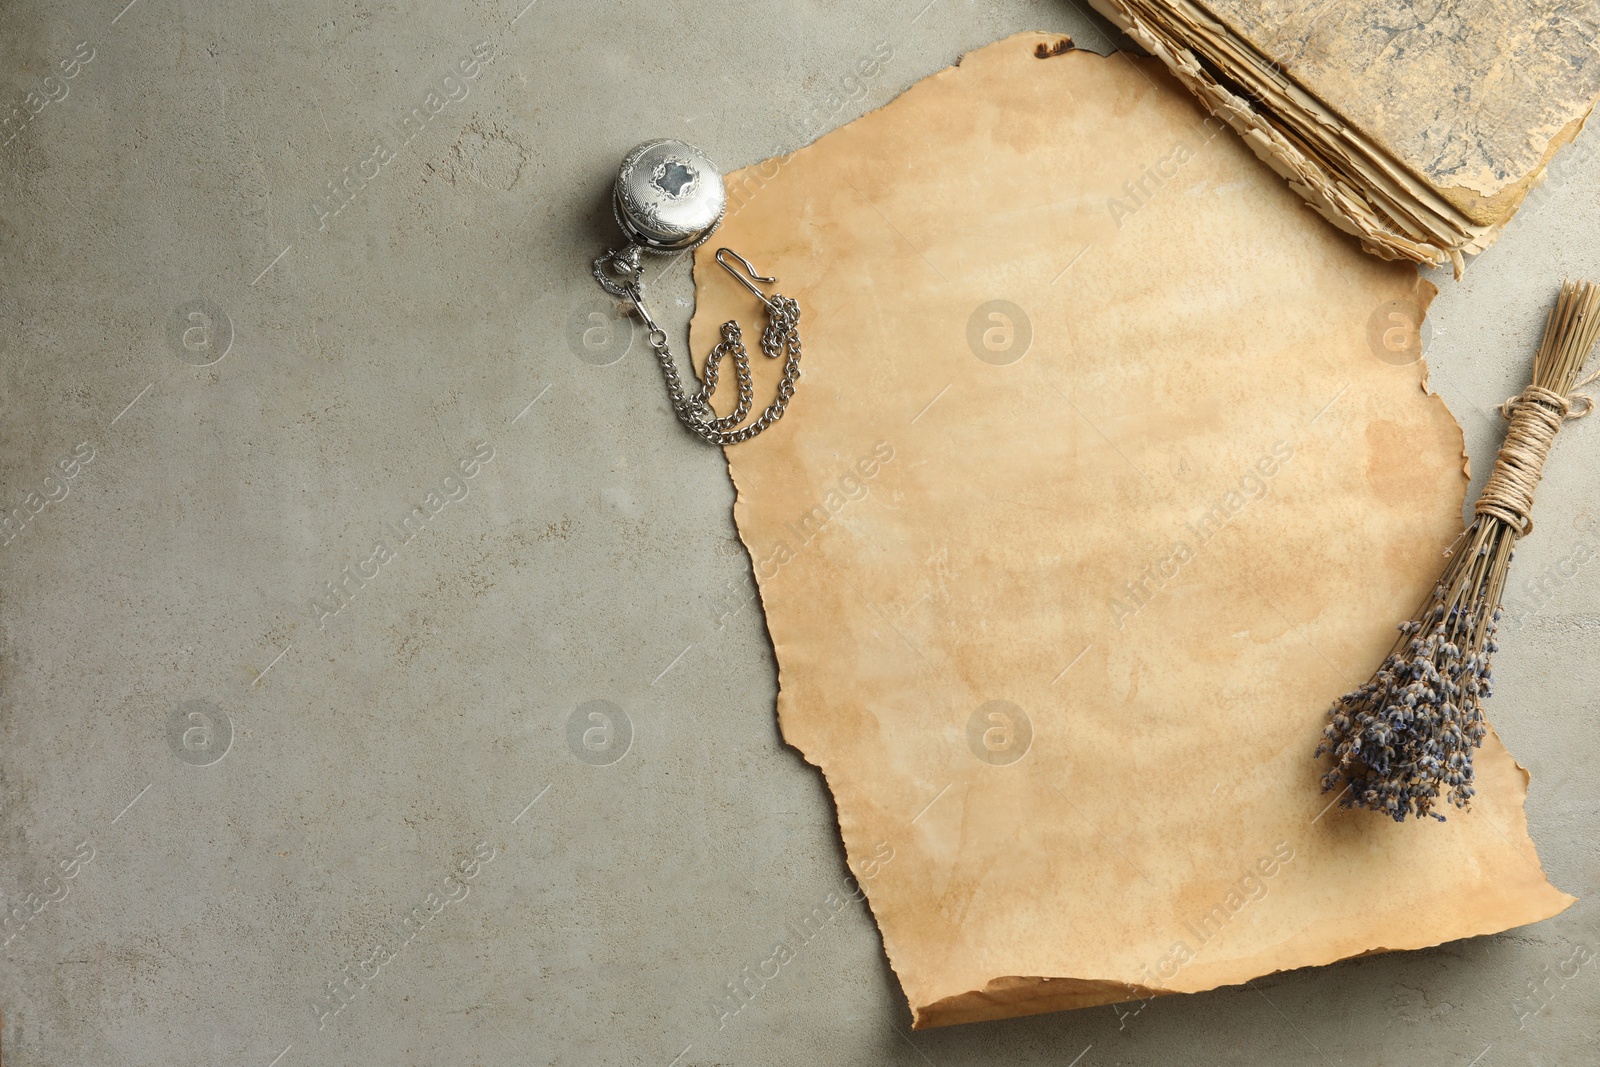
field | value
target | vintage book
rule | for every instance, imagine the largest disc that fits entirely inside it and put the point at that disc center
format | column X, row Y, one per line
column 1420, row 129
column 1087, row 507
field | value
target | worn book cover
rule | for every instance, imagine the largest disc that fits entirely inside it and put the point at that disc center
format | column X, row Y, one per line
column 1418, row 128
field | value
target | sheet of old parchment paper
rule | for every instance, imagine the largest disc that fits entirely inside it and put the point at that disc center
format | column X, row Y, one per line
column 1110, row 468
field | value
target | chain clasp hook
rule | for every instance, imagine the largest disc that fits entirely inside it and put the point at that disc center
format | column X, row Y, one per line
column 744, row 281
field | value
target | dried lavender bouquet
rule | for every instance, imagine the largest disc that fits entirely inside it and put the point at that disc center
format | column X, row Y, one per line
column 1406, row 737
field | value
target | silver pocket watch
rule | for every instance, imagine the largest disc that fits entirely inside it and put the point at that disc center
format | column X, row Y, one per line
column 669, row 198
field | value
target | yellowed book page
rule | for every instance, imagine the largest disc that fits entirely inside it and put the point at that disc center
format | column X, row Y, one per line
column 1109, row 470
column 1473, row 96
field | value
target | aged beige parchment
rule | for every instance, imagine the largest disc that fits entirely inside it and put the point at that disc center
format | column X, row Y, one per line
column 1102, row 481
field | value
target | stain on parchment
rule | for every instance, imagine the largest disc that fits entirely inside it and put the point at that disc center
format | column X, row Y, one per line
column 1393, row 474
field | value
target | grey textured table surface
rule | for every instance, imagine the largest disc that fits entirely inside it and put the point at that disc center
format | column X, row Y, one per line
column 225, row 781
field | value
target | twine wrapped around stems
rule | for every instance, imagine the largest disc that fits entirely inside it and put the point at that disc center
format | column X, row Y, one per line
column 1406, row 736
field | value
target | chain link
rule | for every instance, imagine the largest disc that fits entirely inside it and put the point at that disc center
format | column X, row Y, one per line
column 780, row 338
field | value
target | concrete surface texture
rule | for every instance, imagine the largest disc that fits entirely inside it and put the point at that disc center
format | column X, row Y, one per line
column 508, row 789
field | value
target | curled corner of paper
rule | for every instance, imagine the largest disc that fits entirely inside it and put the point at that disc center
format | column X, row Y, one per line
column 1015, row 995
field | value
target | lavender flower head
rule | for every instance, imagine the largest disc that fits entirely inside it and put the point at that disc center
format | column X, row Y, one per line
column 1403, row 741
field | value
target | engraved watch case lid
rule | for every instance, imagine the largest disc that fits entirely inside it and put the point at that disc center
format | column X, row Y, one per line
column 669, row 196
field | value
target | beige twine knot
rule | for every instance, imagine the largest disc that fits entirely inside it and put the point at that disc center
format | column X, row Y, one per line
column 1535, row 415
